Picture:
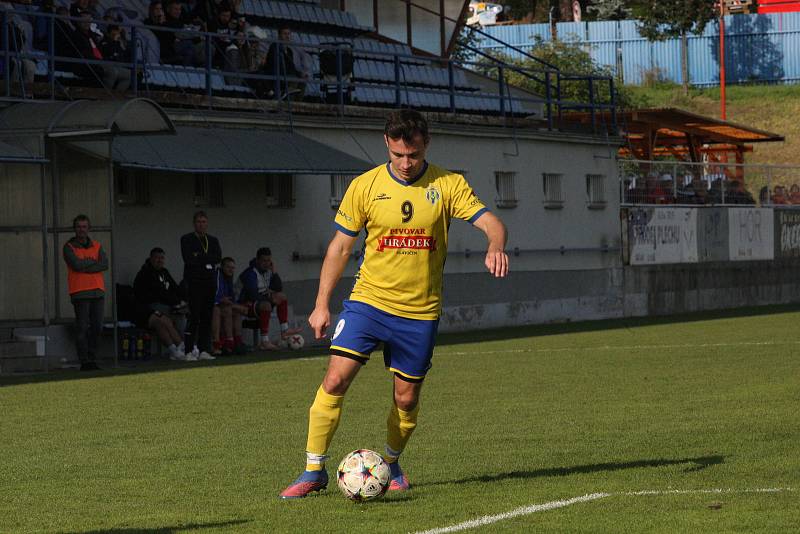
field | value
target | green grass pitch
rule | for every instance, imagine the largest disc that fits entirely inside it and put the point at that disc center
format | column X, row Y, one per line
column 508, row 419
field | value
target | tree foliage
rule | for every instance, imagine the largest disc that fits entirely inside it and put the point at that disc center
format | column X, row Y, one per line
column 661, row 19
column 610, row 9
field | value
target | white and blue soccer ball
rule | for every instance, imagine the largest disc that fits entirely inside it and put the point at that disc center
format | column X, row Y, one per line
column 363, row 475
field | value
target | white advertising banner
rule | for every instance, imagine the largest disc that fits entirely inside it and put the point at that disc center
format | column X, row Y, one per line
column 662, row 235
column 751, row 234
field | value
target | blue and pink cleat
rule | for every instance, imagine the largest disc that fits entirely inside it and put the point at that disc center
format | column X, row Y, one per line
column 307, row 483
column 399, row 481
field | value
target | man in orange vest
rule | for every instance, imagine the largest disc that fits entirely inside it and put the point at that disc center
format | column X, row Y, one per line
column 86, row 260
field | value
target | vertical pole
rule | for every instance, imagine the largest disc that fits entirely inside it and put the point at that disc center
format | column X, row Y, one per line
column 769, row 185
column 276, row 69
column 398, row 102
column 549, row 100
column 674, row 180
column 501, row 75
column 208, row 73
column 135, row 60
column 51, row 67
column 613, row 94
column 111, row 212
column 558, row 95
column 451, row 83
column 6, row 55
column 56, row 219
column 591, row 103
column 45, row 288
column 339, row 88
column 722, row 110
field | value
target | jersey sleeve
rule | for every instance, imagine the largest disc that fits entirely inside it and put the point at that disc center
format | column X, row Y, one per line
column 350, row 215
column 464, row 203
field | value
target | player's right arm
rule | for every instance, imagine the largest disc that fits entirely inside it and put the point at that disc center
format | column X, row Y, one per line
column 332, row 268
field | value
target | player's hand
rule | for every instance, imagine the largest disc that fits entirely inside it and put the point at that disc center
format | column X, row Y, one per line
column 497, row 263
column 320, row 320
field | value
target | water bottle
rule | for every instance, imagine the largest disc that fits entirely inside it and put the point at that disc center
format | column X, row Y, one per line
column 147, row 346
column 126, row 343
column 139, row 347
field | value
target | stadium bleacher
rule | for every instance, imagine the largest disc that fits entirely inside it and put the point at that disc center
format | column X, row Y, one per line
column 381, row 69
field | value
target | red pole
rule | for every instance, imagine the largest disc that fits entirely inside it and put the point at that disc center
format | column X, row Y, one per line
column 722, row 61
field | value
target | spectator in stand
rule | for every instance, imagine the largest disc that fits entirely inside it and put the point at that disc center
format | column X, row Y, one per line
column 23, row 69
column 225, row 50
column 158, row 299
column 41, row 25
column 262, row 290
column 763, row 196
column 794, row 194
column 189, row 48
column 226, row 319
column 86, row 260
column 115, row 48
column 738, row 193
column 779, row 195
column 207, row 9
column 286, row 61
column 700, row 188
column 171, row 52
column 201, row 256
column 78, row 8
column 655, row 192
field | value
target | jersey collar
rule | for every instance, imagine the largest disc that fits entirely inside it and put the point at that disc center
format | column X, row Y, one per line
column 403, row 182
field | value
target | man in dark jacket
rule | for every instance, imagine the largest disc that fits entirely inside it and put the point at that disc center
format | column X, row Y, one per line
column 201, row 257
column 86, row 260
column 157, row 298
column 262, row 290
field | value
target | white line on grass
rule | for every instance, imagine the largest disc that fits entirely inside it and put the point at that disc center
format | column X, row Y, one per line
column 624, row 347
column 525, row 510
column 552, row 505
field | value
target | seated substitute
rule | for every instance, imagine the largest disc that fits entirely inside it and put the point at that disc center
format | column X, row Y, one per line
column 226, row 317
column 262, row 290
column 158, row 299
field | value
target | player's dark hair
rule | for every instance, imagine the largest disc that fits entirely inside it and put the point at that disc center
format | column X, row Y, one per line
column 227, row 259
column 199, row 214
column 156, row 250
column 80, row 218
column 263, row 251
column 406, row 124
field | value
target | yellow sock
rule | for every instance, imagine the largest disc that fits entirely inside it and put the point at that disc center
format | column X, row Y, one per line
column 399, row 427
column 323, row 418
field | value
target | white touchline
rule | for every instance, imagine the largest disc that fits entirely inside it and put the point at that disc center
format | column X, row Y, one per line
column 622, row 347
column 525, row 510
column 534, row 508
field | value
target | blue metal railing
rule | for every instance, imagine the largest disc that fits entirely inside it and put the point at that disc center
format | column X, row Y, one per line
column 484, row 91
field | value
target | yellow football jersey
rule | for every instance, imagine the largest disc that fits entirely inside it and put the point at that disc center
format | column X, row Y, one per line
column 406, row 244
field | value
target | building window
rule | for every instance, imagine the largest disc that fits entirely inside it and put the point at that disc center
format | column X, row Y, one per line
column 280, row 190
column 506, row 194
column 132, row 187
column 596, row 191
column 208, row 191
column 339, row 185
column 553, row 191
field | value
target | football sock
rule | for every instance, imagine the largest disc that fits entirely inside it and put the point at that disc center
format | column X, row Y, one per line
column 237, row 341
column 399, row 427
column 283, row 312
column 263, row 322
column 182, row 347
column 173, row 349
column 323, row 418
column 217, row 345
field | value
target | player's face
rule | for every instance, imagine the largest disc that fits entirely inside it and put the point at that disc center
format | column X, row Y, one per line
column 407, row 159
column 82, row 230
column 228, row 268
column 201, row 225
column 264, row 263
column 157, row 260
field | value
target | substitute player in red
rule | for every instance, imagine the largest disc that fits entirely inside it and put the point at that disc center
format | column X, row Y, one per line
column 405, row 206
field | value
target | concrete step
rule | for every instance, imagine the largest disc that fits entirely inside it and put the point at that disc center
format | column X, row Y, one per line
column 19, row 357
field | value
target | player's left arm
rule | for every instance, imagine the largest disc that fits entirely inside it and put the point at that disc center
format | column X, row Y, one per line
column 496, row 257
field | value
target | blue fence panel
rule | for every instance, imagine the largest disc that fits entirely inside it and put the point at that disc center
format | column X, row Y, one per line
column 758, row 48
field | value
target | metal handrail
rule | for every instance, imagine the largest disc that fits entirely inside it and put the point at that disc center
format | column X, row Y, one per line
column 137, row 62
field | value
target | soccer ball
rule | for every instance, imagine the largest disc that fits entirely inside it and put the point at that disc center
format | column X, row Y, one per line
column 363, row 475
column 295, row 342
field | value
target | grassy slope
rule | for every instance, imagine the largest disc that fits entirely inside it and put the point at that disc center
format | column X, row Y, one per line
column 774, row 108
column 547, row 413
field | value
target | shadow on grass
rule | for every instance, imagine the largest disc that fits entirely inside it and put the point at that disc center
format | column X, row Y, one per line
column 501, row 334
column 694, row 464
column 167, row 530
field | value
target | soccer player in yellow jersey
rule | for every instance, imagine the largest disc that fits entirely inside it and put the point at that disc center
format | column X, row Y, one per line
column 405, row 206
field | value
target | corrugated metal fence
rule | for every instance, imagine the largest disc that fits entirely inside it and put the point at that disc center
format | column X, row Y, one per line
column 758, row 48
